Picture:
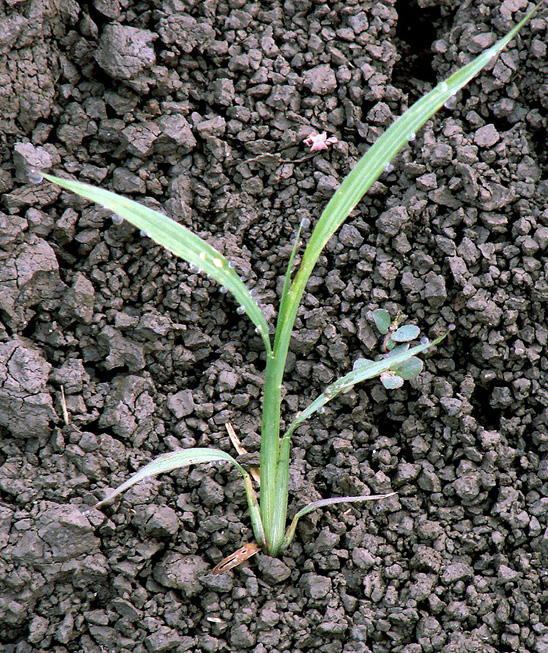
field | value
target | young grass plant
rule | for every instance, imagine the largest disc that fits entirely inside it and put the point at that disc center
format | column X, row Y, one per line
column 397, row 363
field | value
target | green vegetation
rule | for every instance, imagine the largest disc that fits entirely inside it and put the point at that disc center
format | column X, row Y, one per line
column 397, row 363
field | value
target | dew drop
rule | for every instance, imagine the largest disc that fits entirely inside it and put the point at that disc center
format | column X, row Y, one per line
column 412, row 137
column 424, row 340
column 193, row 267
column 452, row 326
column 444, row 87
column 117, row 219
column 223, row 290
column 34, row 176
column 202, row 256
column 217, row 262
column 240, row 310
column 321, row 410
column 143, row 233
column 305, row 223
column 451, row 102
column 231, row 265
column 388, row 167
column 258, row 330
column 253, row 292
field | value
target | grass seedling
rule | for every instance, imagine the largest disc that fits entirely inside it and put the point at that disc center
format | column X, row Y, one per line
column 397, row 363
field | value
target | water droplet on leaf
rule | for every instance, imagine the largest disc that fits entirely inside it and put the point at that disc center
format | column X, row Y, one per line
column 451, row 102
column 34, row 176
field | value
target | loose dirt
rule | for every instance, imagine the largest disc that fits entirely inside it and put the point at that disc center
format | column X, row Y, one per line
column 201, row 109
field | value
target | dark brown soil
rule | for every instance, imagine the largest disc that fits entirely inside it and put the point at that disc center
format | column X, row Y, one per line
column 201, row 108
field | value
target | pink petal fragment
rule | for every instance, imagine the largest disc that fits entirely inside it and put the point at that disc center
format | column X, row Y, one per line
column 317, row 142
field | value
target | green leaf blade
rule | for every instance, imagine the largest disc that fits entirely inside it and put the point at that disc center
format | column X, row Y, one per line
column 367, row 370
column 178, row 240
column 362, row 363
column 396, row 350
column 372, row 164
column 322, row 503
column 390, row 362
column 170, row 461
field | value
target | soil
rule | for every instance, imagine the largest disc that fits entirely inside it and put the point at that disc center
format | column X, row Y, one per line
column 201, row 109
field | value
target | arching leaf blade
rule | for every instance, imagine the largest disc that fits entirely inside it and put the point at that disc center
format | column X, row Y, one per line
column 322, row 503
column 178, row 240
column 366, row 370
column 170, row 461
column 372, row 164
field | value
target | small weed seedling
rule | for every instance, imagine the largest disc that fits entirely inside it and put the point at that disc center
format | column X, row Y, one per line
column 397, row 363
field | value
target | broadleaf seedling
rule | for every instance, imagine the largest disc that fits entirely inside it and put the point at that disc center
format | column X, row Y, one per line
column 382, row 320
column 398, row 363
column 396, row 341
column 405, row 333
